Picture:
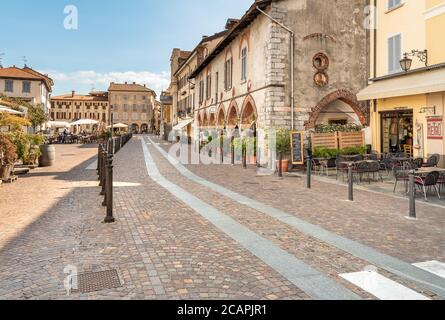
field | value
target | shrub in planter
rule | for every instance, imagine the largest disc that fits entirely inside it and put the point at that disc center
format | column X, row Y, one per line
column 8, row 156
column 283, row 145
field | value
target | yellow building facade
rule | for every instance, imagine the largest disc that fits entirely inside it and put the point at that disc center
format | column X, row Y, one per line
column 407, row 102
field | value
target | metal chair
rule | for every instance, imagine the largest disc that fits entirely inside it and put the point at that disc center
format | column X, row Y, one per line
column 361, row 168
column 432, row 161
column 429, row 181
column 401, row 175
column 329, row 164
column 374, row 168
column 418, row 163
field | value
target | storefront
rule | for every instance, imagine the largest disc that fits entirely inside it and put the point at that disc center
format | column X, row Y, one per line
column 407, row 113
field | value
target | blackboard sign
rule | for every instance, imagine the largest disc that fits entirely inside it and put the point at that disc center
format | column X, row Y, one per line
column 297, row 143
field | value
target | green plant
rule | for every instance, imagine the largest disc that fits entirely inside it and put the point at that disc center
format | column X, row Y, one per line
column 353, row 151
column 36, row 116
column 332, row 128
column 283, row 142
column 325, row 153
column 8, row 151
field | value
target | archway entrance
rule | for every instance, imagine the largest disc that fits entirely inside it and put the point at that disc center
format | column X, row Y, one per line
column 221, row 118
column 135, row 128
column 339, row 107
column 144, row 128
column 232, row 116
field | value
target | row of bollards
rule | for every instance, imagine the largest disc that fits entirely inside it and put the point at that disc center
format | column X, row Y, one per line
column 105, row 167
column 411, row 181
column 105, row 171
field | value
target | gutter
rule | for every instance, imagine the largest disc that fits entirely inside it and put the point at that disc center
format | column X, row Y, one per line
column 292, row 63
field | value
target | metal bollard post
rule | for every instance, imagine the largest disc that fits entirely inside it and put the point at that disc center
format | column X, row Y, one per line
column 350, row 183
column 412, row 196
column 103, row 172
column 280, row 166
column 99, row 164
column 309, row 172
column 244, row 156
column 221, row 150
column 109, row 193
column 232, row 147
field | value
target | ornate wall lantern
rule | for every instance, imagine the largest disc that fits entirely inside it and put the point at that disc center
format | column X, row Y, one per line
column 407, row 62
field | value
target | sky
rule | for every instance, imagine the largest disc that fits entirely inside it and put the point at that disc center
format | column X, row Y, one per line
column 115, row 40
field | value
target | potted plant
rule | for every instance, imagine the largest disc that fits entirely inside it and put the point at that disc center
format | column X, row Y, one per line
column 283, row 145
column 8, row 156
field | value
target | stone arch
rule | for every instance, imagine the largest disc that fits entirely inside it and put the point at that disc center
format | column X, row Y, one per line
column 233, row 115
column 221, row 117
column 249, row 114
column 212, row 120
column 200, row 120
column 205, row 121
column 342, row 95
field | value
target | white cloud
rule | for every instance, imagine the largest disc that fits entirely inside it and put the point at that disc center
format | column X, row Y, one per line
column 155, row 81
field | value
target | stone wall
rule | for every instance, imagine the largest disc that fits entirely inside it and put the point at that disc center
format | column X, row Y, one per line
column 334, row 28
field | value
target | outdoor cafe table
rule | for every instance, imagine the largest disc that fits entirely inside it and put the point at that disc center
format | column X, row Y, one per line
column 426, row 171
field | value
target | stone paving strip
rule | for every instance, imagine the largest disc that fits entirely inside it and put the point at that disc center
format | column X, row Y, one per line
column 393, row 265
column 321, row 256
column 317, row 285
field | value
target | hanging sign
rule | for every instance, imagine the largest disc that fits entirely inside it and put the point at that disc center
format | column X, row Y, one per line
column 435, row 128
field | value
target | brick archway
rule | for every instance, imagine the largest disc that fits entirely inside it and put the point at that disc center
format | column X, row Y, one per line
column 232, row 115
column 342, row 95
column 249, row 114
column 221, row 117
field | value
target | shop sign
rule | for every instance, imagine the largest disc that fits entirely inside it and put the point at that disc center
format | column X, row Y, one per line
column 435, row 128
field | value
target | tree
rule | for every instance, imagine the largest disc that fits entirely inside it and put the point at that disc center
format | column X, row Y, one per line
column 15, row 123
column 37, row 116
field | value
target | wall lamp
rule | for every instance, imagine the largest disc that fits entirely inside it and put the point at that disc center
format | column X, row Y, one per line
column 407, row 62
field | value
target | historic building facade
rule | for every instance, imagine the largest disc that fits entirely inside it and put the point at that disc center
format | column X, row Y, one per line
column 286, row 64
column 27, row 85
column 72, row 107
column 133, row 104
column 407, row 86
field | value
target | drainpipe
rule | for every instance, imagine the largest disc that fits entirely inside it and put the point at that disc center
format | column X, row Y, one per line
column 292, row 62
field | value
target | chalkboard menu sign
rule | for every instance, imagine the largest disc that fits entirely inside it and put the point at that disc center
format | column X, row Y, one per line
column 297, row 142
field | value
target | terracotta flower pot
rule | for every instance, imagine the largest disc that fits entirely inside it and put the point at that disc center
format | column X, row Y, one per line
column 284, row 165
column 5, row 171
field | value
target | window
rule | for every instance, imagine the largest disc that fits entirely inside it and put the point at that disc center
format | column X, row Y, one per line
column 134, row 116
column 135, row 108
column 125, row 116
column 125, row 107
column 201, row 91
column 9, row 86
column 244, row 64
column 115, row 115
column 144, row 98
column 26, row 87
column 394, row 53
column 216, row 87
column 393, row 4
column 209, row 87
column 228, row 68
column 125, row 98
column 143, row 117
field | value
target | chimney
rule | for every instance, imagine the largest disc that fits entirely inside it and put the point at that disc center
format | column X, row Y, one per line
column 126, row 82
column 145, row 86
column 231, row 23
column 204, row 37
column 134, row 82
column 73, row 93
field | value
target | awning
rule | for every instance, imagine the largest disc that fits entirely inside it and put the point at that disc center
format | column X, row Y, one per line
column 405, row 85
column 182, row 124
column 10, row 111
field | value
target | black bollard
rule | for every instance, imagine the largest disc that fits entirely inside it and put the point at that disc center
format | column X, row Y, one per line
column 350, row 183
column 412, row 196
column 309, row 172
column 103, row 172
column 99, row 165
column 244, row 156
column 109, row 193
column 232, row 147
column 280, row 166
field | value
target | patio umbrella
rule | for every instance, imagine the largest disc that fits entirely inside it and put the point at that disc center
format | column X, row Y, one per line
column 118, row 126
column 57, row 124
column 10, row 111
column 84, row 122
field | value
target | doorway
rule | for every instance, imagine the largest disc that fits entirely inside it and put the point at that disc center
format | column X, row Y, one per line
column 397, row 131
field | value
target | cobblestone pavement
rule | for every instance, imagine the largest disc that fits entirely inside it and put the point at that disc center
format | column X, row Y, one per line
column 163, row 249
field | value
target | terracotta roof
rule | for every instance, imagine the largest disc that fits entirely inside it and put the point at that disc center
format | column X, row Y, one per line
column 81, row 97
column 26, row 74
column 239, row 27
column 131, row 87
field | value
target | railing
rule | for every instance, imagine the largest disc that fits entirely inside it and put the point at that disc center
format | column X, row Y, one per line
column 106, row 152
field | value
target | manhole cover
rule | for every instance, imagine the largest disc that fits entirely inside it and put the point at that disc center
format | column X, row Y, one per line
column 98, row 281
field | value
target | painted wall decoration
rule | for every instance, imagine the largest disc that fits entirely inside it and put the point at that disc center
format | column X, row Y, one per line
column 435, row 128
column 321, row 63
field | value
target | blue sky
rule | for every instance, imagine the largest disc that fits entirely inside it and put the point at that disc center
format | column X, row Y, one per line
column 117, row 40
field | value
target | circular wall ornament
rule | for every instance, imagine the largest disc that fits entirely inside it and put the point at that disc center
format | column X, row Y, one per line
column 321, row 79
column 320, row 61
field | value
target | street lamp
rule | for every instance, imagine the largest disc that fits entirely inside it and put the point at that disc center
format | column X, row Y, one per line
column 407, row 62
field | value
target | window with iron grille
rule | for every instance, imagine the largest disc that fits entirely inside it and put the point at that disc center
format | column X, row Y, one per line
column 26, row 87
column 9, row 86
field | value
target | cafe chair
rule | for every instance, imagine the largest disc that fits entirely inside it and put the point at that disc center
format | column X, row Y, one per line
column 429, row 181
column 432, row 161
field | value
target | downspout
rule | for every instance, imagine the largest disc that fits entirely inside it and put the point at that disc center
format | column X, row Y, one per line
column 292, row 63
